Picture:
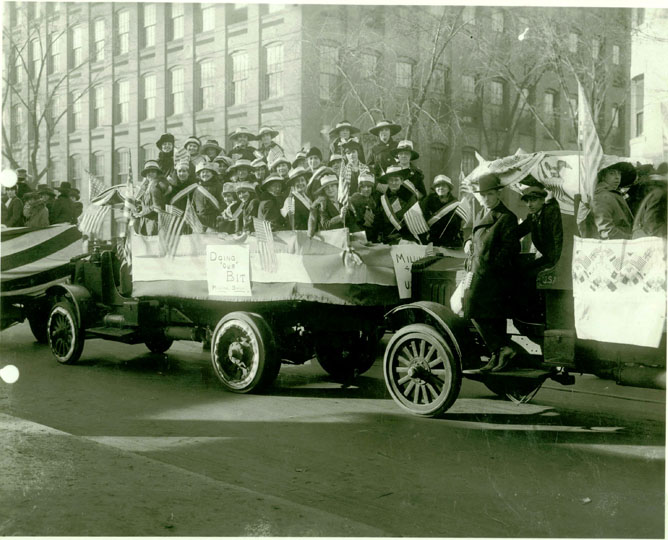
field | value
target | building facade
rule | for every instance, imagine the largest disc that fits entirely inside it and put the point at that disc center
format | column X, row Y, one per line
column 110, row 78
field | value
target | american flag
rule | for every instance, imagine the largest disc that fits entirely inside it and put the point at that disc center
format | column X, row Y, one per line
column 345, row 175
column 191, row 218
column 130, row 204
column 591, row 153
column 415, row 221
column 92, row 218
column 265, row 244
column 466, row 208
column 95, row 186
column 274, row 153
column 170, row 225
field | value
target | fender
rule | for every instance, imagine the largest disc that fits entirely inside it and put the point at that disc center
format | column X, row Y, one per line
column 453, row 327
column 79, row 296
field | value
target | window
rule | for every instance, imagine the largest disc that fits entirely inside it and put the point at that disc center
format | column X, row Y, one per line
column 273, row 82
column 468, row 15
column 53, row 172
column 616, row 113
column 237, row 13
column 369, row 65
column 329, row 72
column 239, row 78
column 438, row 80
column 76, row 111
column 17, row 123
column 207, row 81
column 97, row 165
column 121, row 165
column 176, row 88
column 56, row 49
column 468, row 87
column 175, row 21
column 98, row 39
column 638, row 92
column 469, row 161
column 148, row 96
column 97, row 116
column 77, row 46
column 595, row 48
column 497, row 21
column 74, row 176
column 122, row 102
column 497, row 100
column 35, row 57
column 550, row 109
column 56, row 109
column 123, row 36
column 149, row 20
column 206, row 17
column 404, row 74
column 148, row 151
column 18, row 69
column 615, row 55
column 573, row 42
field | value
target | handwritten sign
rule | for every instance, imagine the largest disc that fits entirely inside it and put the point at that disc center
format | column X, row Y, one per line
column 228, row 270
column 403, row 257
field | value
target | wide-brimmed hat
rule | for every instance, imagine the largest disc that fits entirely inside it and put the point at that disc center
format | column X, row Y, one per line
column 259, row 163
column 211, row 143
column 393, row 170
column 64, row 187
column 334, row 158
column 241, row 186
column 151, row 165
column 530, row 192
column 324, row 181
column 192, row 139
column 205, row 166
column 298, row 172
column 626, row 169
column 334, row 132
column 272, row 178
column 266, row 130
column 242, row 131
column 301, row 154
column 403, row 146
column 44, row 189
column 488, row 182
column 278, row 161
column 394, row 128
column 314, row 151
column 228, row 187
column 165, row 137
column 222, row 158
column 241, row 164
column 366, row 178
column 442, row 179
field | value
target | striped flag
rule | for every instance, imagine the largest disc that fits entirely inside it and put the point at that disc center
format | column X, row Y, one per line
column 265, row 244
column 274, row 153
column 129, row 205
column 90, row 222
column 95, row 186
column 345, row 175
column 415, row 221
column 192, row 220
column 591, row 153
column 170, row 225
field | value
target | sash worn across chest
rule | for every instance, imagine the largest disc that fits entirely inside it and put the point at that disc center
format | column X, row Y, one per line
column 442, row 213
column 389, row 212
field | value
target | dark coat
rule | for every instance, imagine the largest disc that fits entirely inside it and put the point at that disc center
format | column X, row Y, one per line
column 63, row 210
column 610, row 217
column 36, row 214
column 493, row 261
column 402, row 200
column 324, row 216
column 166, row 162
column 336, row 147
column 270, row 210
column 228, row 219
column 245, row 219
column 416, row 177
column 364, row 216
column 12, row 214
column 546, row 234
column 152, row 200
column 246, row 152
column 207, row 211
column 299, row 220
column 446, row 231
column 381, row 157
column 650, row 219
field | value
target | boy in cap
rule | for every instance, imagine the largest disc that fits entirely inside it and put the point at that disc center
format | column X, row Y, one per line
column 341, row 134
column 297, row 205
column 269, row 208
column 364, row 207
column 240, row 149
column 269, row 149
column 206, row 199
column 165, row 146
column 414, row 177
column 381, row 153
column 440, row 211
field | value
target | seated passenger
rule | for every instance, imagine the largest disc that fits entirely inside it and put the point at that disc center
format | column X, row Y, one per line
column 152, row 200
column 226, row 222
column 206, row 198
column 248, row 204
column 364, row 207
column 439, row 209
column 297, row 205
column 326, row 211
column 650, row 219
column 269, row 208
column 393, row 205
column 610, row 216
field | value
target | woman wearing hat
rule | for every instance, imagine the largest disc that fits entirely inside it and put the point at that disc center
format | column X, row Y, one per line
column 241, row 170
column 269, row 208
column 165, row 146
column 340, row 135
column 63, row 210
column 34, row 210
column 493, row 251
column 180, row 184
column 248, row 205
column 364, row 207
column 240, row 149
column 300, row 160
column 12, row 213
column 206, row 198
column 381, row 153
column 297, row 205
column 210, row 149
column 269, row 149
column 414, row 178
column 226, row 222
column 260, row 170
column 334, row 162
column 439, row 209
column 313, row 158
column 326, row 211
column 152, row 199
column 394, row 203
column 281, row 167
column 351, row 167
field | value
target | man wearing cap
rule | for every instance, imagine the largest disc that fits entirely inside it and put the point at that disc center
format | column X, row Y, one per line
column 394, row 203
column 247, row 208
column 269, row 149
column 152, row 200
column 269, row 208
column 381, row 153
column 363, row 207
column 22, row 186
column 12, row 213
column 414, row 177
column 34, row 211
column 165, row 146
column 340, row 135
column 63, row 210
column 297, row 205
column 206, row 198
column 313, row 158
column 240, row 149
column 326, row 211
column 439, row 209
column 493, row 251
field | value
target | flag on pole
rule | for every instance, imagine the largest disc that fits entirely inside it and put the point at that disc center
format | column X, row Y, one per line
column 274, row 153
column 345, row 175
column 265, row 244
column 192, row 220
column 591, row 153
column 415, row 221
column 92, row 218
column 95, row 186
column 129, row 205
column 170, row 225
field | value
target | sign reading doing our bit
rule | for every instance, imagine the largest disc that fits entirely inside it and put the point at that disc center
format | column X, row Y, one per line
column 228, row 270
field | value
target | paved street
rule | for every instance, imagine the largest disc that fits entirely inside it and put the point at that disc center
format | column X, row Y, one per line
column 128, row 443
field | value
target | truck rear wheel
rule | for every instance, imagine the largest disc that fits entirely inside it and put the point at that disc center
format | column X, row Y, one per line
column 65, row 333
column 243, row 353
column 346, row 355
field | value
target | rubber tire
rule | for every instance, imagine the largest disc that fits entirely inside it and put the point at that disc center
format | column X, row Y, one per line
column 339, row 361
column 265, row 364
column 38, row 324
column 452, row 381
column 63, row 313
column 516, row 389
column 158, row 343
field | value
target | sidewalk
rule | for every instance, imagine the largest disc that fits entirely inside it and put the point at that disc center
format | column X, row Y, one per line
column 56, row 484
